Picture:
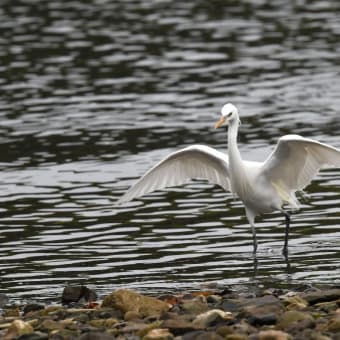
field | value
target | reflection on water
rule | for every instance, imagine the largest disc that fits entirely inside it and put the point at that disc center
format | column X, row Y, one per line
column 93, row 94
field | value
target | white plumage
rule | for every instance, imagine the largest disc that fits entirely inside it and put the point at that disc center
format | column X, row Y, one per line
column 262, row 186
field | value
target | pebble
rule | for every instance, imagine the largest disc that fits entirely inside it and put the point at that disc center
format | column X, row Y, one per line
column 195, row 306
column 127, row 300
column 322, row 296
column 128, row 315
column 290, row 318
column 18, row 328
column 273, row 335
column 211, row 318
column 158, row 334
column 73, row 294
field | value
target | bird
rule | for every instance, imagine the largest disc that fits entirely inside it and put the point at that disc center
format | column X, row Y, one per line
column 263, row 187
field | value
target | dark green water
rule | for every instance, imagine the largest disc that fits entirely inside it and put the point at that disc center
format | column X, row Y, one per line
column 93, row 93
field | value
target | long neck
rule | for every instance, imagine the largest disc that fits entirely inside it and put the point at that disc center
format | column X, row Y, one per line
column 238, row 176
column 235, row 159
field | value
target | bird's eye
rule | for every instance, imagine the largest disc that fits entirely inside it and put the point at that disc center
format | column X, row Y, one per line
column 229, row 114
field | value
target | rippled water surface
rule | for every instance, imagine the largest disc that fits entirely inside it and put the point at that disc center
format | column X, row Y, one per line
column 93, row 93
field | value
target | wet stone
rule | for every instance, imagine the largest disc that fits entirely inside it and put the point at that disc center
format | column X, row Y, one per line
column 211, row 318
column 179, row 327
column 258, row 318
column 322, row 296
column 261, row 311
column 334, row 324
column 291, row 318
column 273, row 335
column 230, row 305
column 236, row 336
column 194, row 306
column 81, row 294
column 96, row 336
column 127, row 300
column 262, row 319
column 34, row 336
column 202, row 335
column 158, row 334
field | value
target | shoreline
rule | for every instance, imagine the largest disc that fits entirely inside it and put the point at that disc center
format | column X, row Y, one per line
column 263, row 314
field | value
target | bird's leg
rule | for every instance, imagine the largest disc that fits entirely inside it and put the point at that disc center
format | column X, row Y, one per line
column 285, row 246
column 251, row 218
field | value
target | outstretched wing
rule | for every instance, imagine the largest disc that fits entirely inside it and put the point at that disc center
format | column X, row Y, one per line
column 196, row 161
column 296, row 160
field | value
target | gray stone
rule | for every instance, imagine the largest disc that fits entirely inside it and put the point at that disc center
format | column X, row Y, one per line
column 262, row 319
column 321, row 296
column 261, row 311
column 180, row 327
column 201, row 335
column 34, row 336
column 96, row 336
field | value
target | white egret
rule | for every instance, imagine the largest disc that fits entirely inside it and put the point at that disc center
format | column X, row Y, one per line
column 263, row 187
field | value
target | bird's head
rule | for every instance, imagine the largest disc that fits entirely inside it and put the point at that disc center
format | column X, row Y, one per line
column 229, row 114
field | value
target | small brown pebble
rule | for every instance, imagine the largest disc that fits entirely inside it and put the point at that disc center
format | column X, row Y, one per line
column 236, row 336
column 273, row 335
column 158, row 334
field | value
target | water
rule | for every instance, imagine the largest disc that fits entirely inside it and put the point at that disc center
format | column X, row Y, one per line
column 92, row 94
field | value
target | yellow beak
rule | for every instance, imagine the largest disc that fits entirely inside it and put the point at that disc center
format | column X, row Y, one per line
column 220, row 122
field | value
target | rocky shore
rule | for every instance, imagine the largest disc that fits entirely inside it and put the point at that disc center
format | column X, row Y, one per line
column 206, row 315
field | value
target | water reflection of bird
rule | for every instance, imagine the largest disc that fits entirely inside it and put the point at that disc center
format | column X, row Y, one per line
column 262, row 186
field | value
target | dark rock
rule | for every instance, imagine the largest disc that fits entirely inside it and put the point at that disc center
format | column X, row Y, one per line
column 96, row 336
column 214, row 299
column 262, row 310
column 179, row 327
column 108, row 313
column 321, row 296
column 262, row 319
column 3, row 300
column 260, row 301
column 32, row 307
column 201, row 335
column 80, row 294
column 225, row 291
column 230, row 305
column 34, row 336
